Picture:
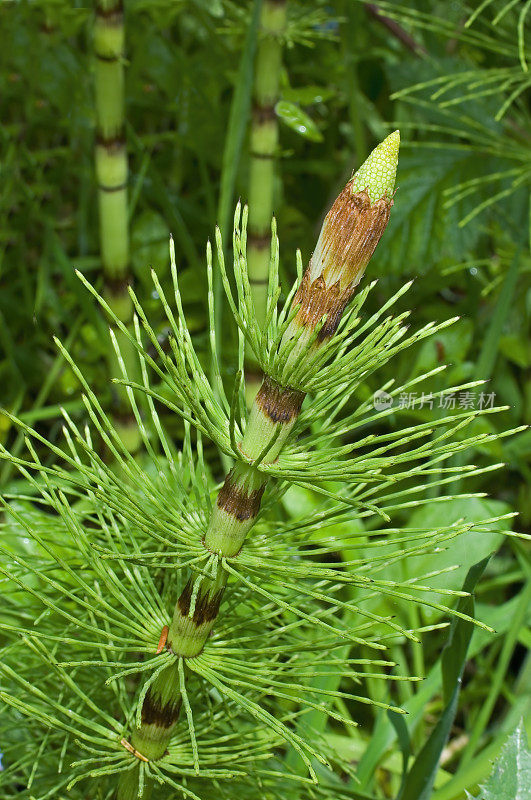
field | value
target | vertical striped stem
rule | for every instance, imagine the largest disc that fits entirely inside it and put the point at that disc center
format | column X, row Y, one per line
column 111, row 155
column 264, row 141
column 112, row 176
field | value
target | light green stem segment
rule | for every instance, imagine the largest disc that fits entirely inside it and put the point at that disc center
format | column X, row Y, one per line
column 263, row 145
column 239, row 500
column 128, row 786
column 234, row 513
column 195, row 613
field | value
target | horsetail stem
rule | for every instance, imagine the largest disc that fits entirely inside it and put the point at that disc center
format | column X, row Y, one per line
column 350, row 233
column 263, row 146
column 112, row 177
column 111, row 156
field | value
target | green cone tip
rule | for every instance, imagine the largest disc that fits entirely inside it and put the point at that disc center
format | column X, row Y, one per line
column 377, row 174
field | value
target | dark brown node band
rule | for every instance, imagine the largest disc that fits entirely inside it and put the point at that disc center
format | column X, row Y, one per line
column 155, row 713
column 236, row 502
column 259, row 241
column 206, row 605
column 110, row 189
column 263, row 156
column 117, row 286
column 263, row 113
column 113, row 144
column 280, row 404
column 108, row 59
column 108, row 13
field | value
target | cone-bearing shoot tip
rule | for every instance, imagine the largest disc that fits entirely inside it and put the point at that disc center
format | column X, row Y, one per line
column 378, row 173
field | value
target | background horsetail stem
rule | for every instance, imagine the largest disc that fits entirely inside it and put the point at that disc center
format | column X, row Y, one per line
column 112, row 175
column 263, row 146
column 350, row 233
column 111, row 155
column 263, row 150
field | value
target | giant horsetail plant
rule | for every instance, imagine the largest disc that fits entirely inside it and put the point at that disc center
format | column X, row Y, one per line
column 163, row 629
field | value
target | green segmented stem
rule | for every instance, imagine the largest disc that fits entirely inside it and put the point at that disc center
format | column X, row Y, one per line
column 350, row 233
column 272, row 417
column 111, row 155
column 263, row 147
column 112, row 177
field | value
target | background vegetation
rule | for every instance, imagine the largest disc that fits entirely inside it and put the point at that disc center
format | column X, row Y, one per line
column 455, row 78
